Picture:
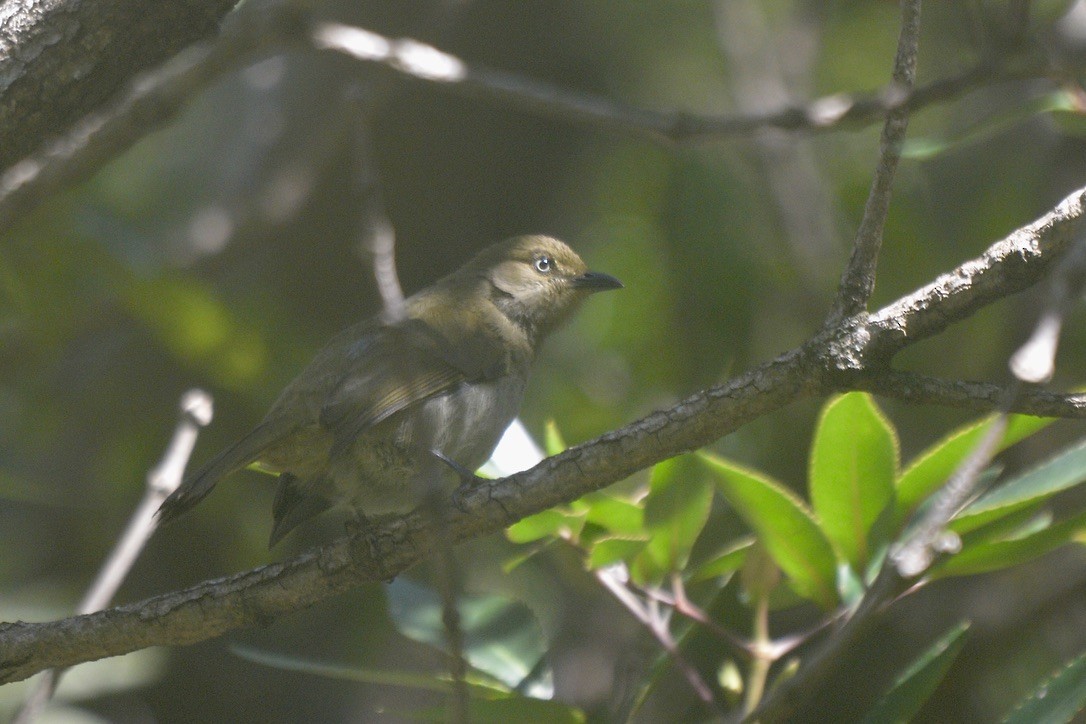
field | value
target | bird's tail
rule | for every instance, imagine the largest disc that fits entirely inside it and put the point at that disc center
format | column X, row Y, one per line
column 197, row 485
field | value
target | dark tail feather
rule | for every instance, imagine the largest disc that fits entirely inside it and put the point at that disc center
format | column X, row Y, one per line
column 292, row 506
column 197, row 485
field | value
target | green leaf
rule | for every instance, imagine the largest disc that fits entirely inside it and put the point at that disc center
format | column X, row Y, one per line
column 1059, row 698
column 1019, row 524
column 760, row 574
column 478, row 686
column 724, row 563
column 785, row 526
column 1065, row 470
column 929, row 470
column 676, row 510
column 853, row 464
column 1001, row 554
column 610, row 550
column 917, row 683
column 489, row 702
column 620, row 517
column 501, row 636
column 552, row 523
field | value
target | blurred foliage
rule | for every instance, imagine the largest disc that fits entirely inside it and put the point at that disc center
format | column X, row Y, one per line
column 224, row 250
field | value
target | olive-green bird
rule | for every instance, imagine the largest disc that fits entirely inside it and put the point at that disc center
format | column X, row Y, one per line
column 374, row 410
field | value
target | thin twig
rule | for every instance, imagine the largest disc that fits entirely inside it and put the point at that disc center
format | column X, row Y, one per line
column 782, row 703
column 858, row 280
column 649, row 614
column 774, row 649
column 163, row 479
column 157, row 97
column 378, row 236
column 929, row 536
column 422, row 62
column 685, row 607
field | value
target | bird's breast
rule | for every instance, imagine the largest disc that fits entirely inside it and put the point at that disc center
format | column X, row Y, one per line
column 466, row 424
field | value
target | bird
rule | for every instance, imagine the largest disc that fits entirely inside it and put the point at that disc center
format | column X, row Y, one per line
column 388, row 404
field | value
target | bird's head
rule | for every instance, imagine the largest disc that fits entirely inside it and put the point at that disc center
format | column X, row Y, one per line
column 537, row 281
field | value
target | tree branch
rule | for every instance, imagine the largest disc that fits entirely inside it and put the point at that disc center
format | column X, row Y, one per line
column 858, row 280
column 862, row 347
column 421, row 62
column 62, row 59
column 1007, row 267
column 150, row 103
column 153, row 100
column 981, row 396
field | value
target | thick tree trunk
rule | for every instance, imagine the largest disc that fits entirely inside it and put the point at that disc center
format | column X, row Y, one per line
column 61, row 59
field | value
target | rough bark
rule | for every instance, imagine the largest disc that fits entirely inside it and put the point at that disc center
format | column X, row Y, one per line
column 61, row 59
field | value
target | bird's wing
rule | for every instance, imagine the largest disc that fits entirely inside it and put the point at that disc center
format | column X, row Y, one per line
column 399, row 366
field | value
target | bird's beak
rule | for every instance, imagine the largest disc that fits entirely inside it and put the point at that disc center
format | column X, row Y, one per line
column 595, row 282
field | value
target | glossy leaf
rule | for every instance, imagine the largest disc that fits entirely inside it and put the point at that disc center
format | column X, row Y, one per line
column 611, row 550
column 724, row 563
column 1065, row 470
column 853, row 464
column 1007, row 553
column 502, row 636
column 1019, row 524
column 621, row 517
column 917, row 683
column 784, row 525
column 929, row 470
column 544, row 524
column 1060, row 698
column 676, row 510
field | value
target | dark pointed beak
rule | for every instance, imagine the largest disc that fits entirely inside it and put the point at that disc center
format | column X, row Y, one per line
column 595, row 282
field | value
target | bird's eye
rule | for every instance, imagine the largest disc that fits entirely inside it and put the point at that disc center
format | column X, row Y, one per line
column 543, row 264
